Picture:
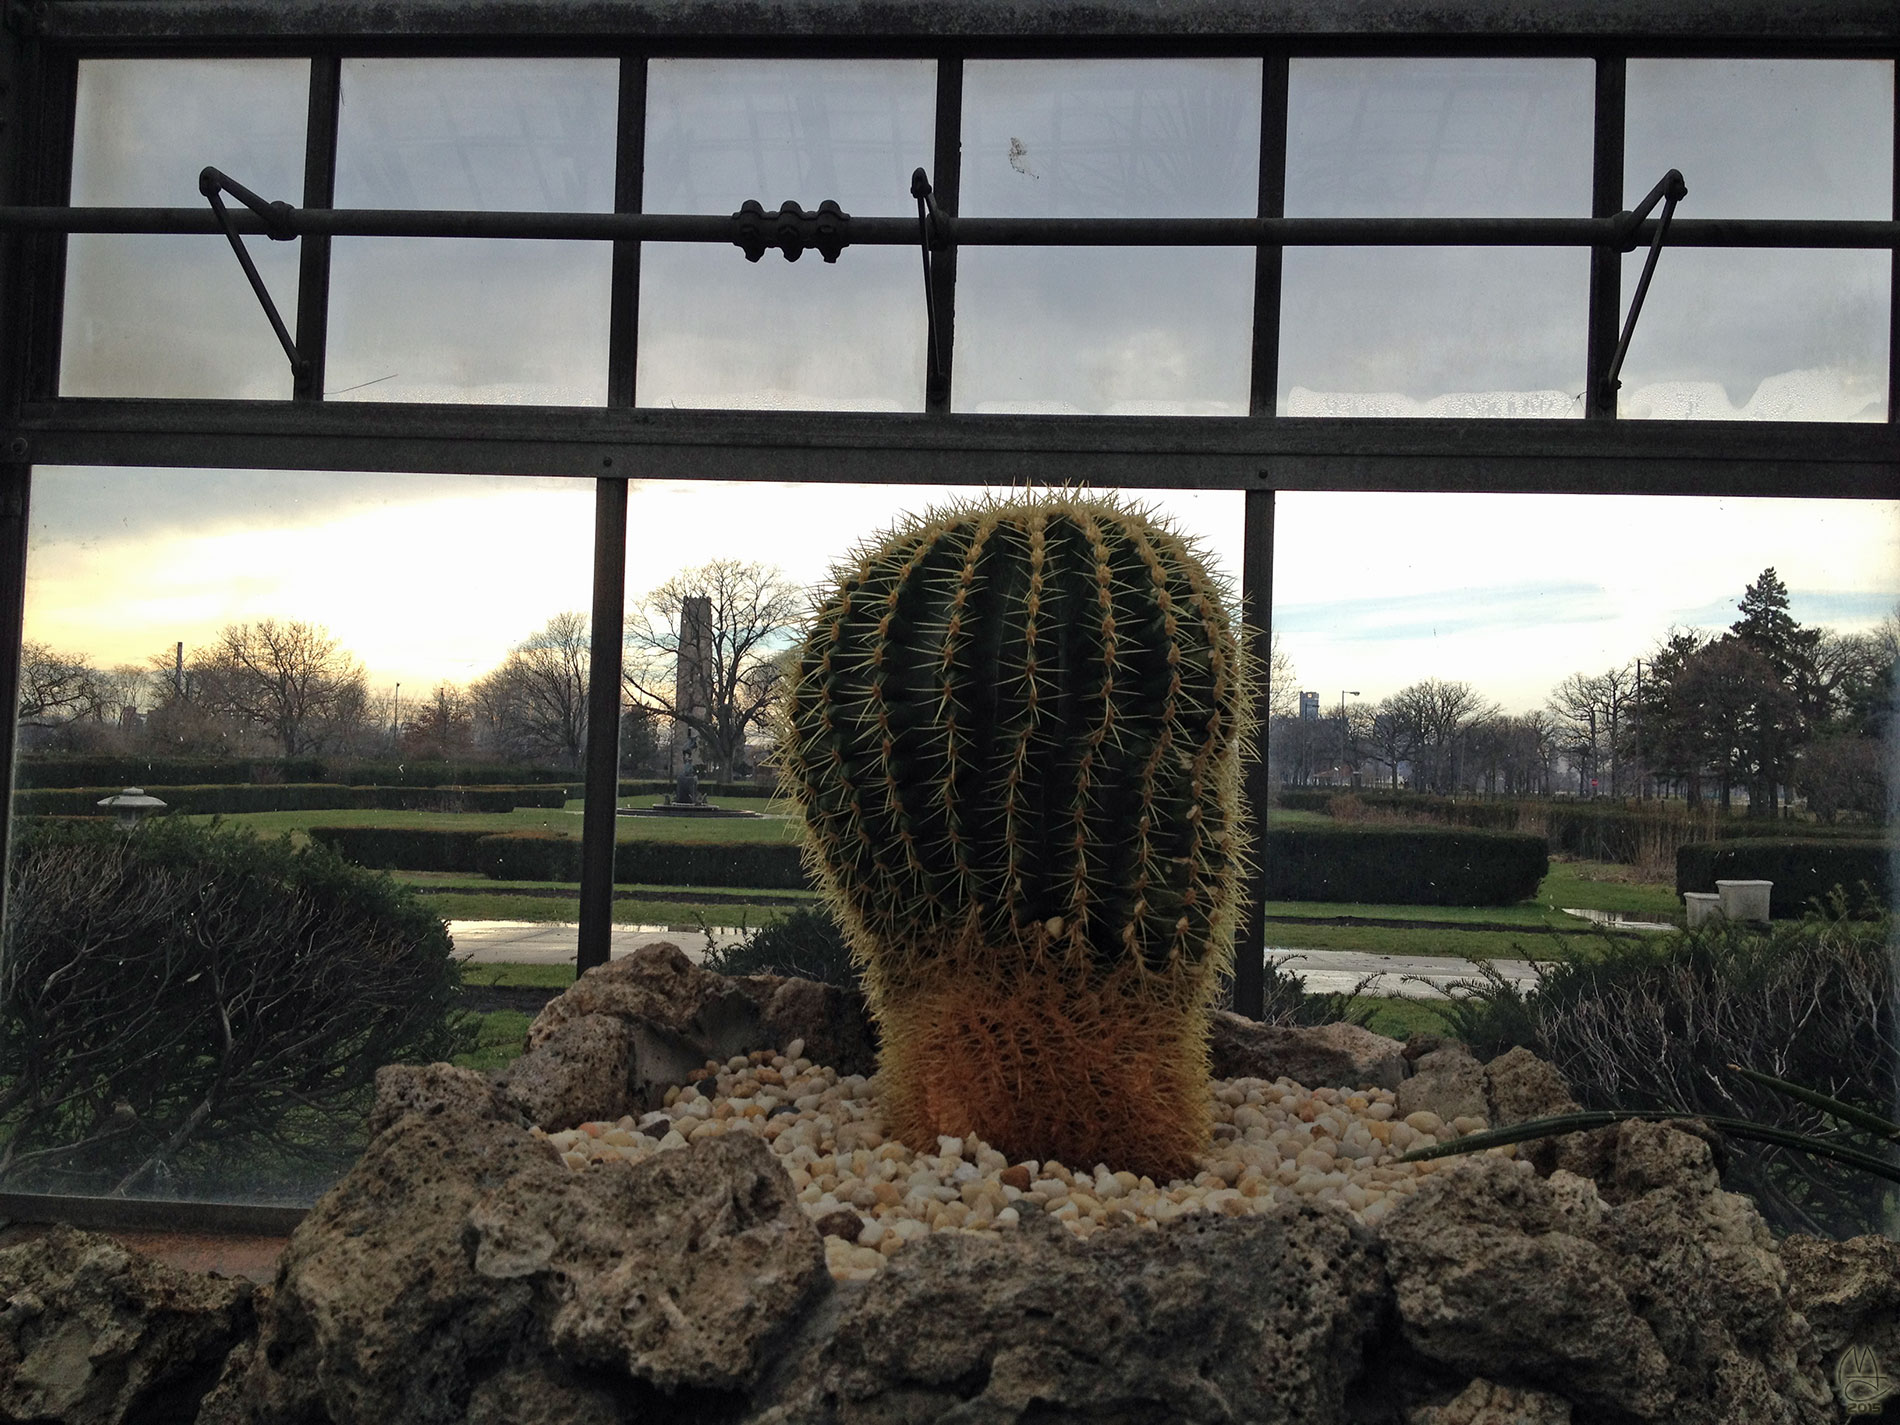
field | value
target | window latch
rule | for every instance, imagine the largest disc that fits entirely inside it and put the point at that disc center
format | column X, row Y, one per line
column 279, row 226
column 1670, row 191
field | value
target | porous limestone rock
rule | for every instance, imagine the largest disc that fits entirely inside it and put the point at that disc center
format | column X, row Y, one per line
column 94, row 1334
column 1519, row 1086
column 1849, row 1293
column 1333, row 1055
column 678, row 1015
column 581, row 1072
column 1485, row 1402
column 460, row 1265
column 1650, row 1292
column 1258, row 1319
column 1447, row 1082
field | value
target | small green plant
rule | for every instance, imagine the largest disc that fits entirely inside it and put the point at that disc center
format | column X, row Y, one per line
column 806, row 943
column 1014, row 729
column 187, row 1002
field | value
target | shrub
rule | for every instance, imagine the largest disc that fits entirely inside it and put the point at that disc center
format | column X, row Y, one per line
column 555, row 856
column 1804, row 871
column 1655, row 1023
column 1402, row 865
column 806, row 943
column 189, row 1000
column 654, row 787
column 402, row 848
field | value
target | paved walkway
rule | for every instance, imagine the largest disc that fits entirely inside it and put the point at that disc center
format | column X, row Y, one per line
column 1325, row 971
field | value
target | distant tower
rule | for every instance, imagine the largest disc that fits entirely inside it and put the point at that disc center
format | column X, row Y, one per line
column 693, row 678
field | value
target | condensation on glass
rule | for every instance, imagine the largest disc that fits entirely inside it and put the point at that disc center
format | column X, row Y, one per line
column 1161, row 331
column 718, row 331
column 172, row 316
column 399, row 571
column 1465, row 332
column 1734, row 334
column 508, row 321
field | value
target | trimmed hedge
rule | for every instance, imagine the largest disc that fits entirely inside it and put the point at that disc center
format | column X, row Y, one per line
column 1803, row 869
column 539, row 856
column 1403, row 865
column 230, row 798
column 650, row 787
column 56, row 769
column 401, row 848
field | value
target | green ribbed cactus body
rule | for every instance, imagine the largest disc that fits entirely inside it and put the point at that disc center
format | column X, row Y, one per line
column 1019, row 724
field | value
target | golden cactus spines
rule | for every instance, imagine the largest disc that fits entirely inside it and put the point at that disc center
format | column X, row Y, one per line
column 1015, row 729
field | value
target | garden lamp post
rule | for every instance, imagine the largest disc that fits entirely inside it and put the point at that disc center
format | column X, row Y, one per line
column 130, row 805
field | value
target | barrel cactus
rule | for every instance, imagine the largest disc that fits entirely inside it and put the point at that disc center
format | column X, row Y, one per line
column 1015, row 730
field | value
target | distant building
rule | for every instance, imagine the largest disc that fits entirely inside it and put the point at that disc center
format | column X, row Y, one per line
column 1309, row 707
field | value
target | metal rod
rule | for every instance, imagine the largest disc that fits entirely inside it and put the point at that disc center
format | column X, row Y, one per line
column 947, row 165
column 920, row 190
column 1893, row 282
column 603, row 725
column 993, row 232
column 313, row 258
column 1671, row 190
column 16, row 484
column 623, row 334
column 1606, row 263
column 1250, row 976
column 210, row 182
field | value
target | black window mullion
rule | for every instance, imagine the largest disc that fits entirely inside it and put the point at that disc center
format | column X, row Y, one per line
column 946, row 178
column 319, row 191
column 1256, row 570
column 602, row 791
column 1893, row 280
column 1606, row 263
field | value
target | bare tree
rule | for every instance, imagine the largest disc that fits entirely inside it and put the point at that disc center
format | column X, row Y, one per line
column 443, row 726
column 292, row 679
column 748, row 611
column 1283, row 686
column 535, row 703
column 1393, row 736
column 1592, row 713
column 1440, row 710
column 56, row 688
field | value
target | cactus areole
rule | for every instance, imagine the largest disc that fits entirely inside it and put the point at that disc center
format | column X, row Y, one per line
column 1015, row 729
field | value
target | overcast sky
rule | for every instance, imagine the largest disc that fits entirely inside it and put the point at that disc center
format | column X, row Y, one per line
column 434, row 578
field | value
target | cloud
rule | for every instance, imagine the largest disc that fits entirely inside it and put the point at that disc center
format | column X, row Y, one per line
column 1449, row 611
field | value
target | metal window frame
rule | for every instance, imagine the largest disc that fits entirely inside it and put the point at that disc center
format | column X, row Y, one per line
column 41, row 45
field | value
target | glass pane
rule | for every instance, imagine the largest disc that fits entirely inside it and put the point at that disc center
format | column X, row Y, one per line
column 1761, row 138
column 1434, row 138
column 722, row 131
column 173, row 316
column 402, row 666
column 1730, row 334
column 1157, row 331
column 1464, row 332
column 1105, row 331
column 414, row 319
column 716, row 330
column 1111, row 138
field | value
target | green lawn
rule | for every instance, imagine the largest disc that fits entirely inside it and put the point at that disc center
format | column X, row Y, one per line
column 779, row 822
column 498, row 1041
column 536, row 977
column 566, row 909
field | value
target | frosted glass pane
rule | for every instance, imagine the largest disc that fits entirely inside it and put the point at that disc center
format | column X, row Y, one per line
column 1744, row 335
column 722, row 131
column 422, row 319
column 1109, row 331
column 533, row 135
column 1471, row 332
column 168, row 316
column 506, row 321
column 1465, row 138
column 716, row 330
column 1111, row 138
column 1760, row 138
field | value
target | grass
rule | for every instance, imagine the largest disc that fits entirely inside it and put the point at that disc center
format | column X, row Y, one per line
column 1400, row 1019
column 498, row 1041
column 779, row 822
column 516, row 976
column 563, row 910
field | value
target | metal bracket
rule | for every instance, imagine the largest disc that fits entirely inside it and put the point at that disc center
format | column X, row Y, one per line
column 1670, row 191
column 279, row 226
column 791, row 230
column 927, row 239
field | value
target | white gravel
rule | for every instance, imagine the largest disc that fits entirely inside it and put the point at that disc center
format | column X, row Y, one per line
column 1274, row 1141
